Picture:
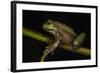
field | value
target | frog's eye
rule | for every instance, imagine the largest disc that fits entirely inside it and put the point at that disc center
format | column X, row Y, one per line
column 50, row 25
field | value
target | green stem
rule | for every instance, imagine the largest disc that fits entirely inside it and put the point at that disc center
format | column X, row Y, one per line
column 35, row 35
column 42, row 38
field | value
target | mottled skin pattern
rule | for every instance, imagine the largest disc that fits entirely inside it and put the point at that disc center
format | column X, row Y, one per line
column 63, row 34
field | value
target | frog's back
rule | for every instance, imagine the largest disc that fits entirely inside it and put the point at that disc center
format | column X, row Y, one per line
column 64, row 26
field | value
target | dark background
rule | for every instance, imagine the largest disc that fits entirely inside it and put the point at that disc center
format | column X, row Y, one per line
column 34, row 20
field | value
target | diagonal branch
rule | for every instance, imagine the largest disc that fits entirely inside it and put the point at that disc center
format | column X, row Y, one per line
column 43, row 38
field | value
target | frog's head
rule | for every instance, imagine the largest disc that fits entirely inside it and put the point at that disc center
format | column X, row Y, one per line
column 49, row 25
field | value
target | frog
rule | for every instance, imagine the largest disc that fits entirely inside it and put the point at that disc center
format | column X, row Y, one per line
column 63, row 35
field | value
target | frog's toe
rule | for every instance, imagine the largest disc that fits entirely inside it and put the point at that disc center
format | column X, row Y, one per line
column 52, row 53
column 45, row 51
column 80, row 39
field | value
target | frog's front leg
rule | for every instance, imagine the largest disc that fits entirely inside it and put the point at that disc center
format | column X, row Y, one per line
column 51, row 46
column 79, row 40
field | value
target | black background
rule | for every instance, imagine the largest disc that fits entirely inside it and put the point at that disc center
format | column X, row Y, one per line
column 33, row 20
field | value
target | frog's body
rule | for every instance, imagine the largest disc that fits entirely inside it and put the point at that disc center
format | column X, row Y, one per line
column 63, row 35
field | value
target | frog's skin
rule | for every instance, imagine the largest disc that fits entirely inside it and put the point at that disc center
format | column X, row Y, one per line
column 63, row 35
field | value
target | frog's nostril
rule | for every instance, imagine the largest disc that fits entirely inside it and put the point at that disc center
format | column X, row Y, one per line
column 43, row 26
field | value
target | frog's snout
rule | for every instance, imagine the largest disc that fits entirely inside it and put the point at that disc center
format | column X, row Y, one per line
column 44, row 26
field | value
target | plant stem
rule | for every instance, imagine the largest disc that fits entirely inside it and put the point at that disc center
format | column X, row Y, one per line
column 42, row 38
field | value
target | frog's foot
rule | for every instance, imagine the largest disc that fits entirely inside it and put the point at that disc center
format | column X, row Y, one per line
column 43, row 57
column 46, row 50
column 79, row 40
column 45, row 53
column 49, row 50
column 52, row 53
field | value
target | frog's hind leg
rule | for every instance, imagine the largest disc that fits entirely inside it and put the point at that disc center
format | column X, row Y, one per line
column 79, row 40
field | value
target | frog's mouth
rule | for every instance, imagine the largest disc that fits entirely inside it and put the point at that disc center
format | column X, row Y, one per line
column 49, row 30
